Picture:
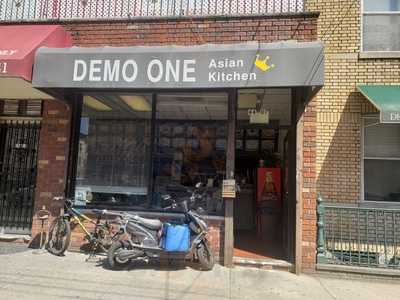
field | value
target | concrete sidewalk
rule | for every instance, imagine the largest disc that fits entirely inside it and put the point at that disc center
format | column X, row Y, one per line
column 25, row 275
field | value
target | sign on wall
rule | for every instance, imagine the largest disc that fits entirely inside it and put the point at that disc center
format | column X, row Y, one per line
column 207, row 66
column 229, row 188
column 390, row 117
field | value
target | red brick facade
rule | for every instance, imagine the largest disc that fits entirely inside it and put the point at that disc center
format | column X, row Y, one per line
column 191, row 32
column 56, row 120
column 52, row 160
column 309, row 190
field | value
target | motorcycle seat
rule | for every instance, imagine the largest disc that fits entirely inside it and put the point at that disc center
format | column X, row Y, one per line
column 150, row 223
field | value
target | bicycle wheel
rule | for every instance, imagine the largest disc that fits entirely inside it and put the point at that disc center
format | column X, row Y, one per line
column 59, row 236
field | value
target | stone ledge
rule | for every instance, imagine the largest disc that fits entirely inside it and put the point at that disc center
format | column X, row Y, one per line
column 358, row 270
column 15, row 237
column 270, row 263
column 379, row 54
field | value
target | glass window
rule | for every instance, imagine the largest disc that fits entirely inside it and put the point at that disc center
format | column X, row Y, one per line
column 381, row 25
column 190, row 147
column 381, row 5
column 114, row 151
column 381, row 161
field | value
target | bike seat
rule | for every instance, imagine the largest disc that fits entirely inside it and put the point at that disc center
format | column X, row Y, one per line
column 150, row 223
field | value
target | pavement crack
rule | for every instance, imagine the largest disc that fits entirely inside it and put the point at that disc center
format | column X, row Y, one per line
column 326, row 289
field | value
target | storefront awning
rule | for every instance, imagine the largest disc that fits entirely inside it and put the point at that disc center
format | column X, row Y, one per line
column 281, row 64
column 386, row 98
column 18, row 45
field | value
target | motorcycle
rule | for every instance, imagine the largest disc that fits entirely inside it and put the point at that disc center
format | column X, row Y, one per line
column 146, row 237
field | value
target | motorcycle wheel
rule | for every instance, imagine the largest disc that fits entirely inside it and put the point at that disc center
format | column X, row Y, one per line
column 205, row 256
column 59, row 236
column 113, row 261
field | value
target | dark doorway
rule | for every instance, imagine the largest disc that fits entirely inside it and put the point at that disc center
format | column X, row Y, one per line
column 262, row 210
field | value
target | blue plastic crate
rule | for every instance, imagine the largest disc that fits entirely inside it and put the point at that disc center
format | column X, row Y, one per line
column 176, row 238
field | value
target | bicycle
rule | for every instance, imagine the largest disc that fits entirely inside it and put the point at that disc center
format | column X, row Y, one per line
column 60, row 230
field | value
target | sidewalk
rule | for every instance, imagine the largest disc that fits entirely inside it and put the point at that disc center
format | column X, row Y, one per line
column 25, row 275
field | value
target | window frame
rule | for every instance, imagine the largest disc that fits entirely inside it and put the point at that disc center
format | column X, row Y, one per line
column 364, row 202
column 76, row 104
column 373, row 53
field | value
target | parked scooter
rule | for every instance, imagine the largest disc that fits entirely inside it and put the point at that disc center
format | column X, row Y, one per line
column 146, row 239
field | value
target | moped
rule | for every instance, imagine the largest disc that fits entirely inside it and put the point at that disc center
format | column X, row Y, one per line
column 145, row 238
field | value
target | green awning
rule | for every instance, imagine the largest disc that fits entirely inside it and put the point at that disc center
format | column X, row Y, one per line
column 386, row 98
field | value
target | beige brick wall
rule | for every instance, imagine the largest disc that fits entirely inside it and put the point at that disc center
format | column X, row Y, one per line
column 339, row 106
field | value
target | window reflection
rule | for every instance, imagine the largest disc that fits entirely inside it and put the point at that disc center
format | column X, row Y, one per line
column 114, row 148
column 190, row 147
column 117, row 159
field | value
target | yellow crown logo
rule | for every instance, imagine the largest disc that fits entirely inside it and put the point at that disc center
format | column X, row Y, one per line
column 262, row 63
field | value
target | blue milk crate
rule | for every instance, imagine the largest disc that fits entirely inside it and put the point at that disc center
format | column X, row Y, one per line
column 176, row 237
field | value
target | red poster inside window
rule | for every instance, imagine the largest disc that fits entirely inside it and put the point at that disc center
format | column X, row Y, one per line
column 268, row 184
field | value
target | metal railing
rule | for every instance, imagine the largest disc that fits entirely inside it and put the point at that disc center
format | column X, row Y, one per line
column 365, row 237
column 42, row 10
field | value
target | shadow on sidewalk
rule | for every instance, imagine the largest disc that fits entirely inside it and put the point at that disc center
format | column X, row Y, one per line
column 12, row 247
column 152, row 264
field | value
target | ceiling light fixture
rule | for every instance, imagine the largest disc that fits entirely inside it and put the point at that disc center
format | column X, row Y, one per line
column 95, row 104
column 137, row 103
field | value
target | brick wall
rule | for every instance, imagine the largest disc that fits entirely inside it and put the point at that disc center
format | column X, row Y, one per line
column 339, row 106
column 52, row 160
column 191, row 32
column 309, row 192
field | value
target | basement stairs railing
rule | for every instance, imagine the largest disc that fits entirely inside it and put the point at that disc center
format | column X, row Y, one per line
column 358, row 236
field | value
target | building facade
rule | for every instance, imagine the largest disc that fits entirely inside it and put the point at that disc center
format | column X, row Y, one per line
column 352, row 59
column 356, row 144
column 314, row 140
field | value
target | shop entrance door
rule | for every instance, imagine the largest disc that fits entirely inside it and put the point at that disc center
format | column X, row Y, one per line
column 18, row 167
column 264, row 210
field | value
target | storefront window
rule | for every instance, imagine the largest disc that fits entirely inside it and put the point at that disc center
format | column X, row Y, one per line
column 381, row 161
column 190, row 148
column 114, row 151
column 116, row 155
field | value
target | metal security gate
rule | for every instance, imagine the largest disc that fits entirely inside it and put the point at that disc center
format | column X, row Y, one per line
column 18, row 159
